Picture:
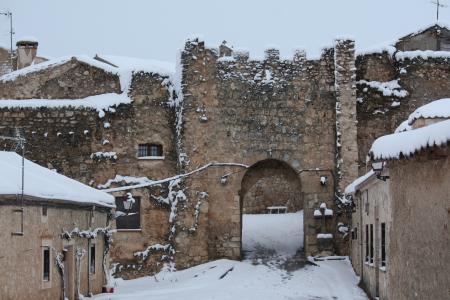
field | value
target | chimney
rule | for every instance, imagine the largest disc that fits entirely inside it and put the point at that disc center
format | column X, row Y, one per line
column 26, row 52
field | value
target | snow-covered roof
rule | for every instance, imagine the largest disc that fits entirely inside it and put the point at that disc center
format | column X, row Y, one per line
column 406, row 143
column 56, row 62
column 28, row 38
column 422, row 29
column 139, row 64
column 101, row 103
column 436, row 109
column 45, row 184
column 352, row 187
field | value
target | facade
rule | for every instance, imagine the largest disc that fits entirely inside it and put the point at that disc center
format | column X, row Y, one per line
column 198, row 147
column 371, row 223
column 400, row 231
column 55, row 239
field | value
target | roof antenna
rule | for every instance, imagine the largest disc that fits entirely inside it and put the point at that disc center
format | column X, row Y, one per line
column 438, row 5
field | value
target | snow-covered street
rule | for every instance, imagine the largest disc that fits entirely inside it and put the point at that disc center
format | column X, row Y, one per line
column 269, row 242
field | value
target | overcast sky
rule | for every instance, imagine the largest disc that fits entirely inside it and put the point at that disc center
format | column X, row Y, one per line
column 157, row 29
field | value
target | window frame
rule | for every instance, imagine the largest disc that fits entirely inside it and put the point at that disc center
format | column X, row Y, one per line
column 371, row 244
column 383, row 244
column 367, row 244
column 48, row 264
column 92, row 259
column 151, row 151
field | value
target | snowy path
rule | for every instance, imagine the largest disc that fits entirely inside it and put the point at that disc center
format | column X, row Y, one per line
column 235, row 280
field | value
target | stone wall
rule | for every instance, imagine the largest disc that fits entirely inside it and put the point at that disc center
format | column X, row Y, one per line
column 5, row 61
column 71, row 80
column 66, row 138
column 244, row 111
column 378, row 114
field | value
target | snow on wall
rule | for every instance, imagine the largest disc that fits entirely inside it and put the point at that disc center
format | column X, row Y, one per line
column 101, row 103
column 424, row 54
column 406, row 143
column 388, row 89
column 45, row 184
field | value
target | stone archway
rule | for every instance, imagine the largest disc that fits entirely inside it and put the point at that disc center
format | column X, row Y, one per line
column 266, row 185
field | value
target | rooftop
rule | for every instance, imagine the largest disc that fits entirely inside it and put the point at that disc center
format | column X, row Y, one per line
column 46, row 184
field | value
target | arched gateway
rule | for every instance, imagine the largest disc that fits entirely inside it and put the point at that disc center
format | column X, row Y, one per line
column 269, row 189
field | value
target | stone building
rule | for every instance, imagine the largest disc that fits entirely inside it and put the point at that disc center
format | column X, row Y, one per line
column 400, row 235
column 196, row 147
column 55, row 235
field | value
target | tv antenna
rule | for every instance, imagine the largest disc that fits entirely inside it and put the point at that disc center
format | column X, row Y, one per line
column 11, row 33
column 438, row 5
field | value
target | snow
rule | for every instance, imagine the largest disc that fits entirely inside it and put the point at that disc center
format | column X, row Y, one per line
column 324, row 235
column 378, row 49
column 231, row 280
column 404, row 126
column 100, row 103
column 351, row 188
column 424, row 54
column 45, row 184
column 436, row 109
column 389, row 88
column 56, row 62
column 27, row 38
column 317, row 213
column 138, row 64
column 249, row 279
column 406, row 143
column 270, row 231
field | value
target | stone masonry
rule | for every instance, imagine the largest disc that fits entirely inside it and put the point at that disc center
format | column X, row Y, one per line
column 298, row 129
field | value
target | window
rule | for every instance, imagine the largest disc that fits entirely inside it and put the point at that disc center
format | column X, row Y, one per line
column 44, row 210
column 92, row 259
column 383, row 244
column 46, row 263
column 146, row 150
column 355, row 233
column 128, row 219
column 371, row 243
column 367, row 242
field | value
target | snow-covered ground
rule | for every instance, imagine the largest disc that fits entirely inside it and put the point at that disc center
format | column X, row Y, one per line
column 281, row 233
column 251, row 279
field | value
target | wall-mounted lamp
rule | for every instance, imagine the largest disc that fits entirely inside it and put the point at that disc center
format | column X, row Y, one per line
column 377, row 167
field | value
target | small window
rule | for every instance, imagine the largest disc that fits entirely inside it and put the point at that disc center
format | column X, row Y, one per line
column 146, row 150
column 128, row 219
column 44, row 210
column 371, row 243
column 383, row 244
column 355, row 233
column 46, row 263
column 92, row 259
column 367, row 242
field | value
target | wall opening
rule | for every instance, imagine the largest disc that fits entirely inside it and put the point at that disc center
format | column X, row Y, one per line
column 271, row 211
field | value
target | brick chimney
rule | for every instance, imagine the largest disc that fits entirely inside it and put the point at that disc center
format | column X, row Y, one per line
column 26, row 52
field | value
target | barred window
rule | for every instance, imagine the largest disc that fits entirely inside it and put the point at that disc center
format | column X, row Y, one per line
column 145, row 150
